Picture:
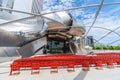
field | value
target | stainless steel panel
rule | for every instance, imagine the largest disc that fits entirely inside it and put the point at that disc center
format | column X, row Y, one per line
column 30, row 48
column 66, row 18
column 9, row 39
column 9, row 52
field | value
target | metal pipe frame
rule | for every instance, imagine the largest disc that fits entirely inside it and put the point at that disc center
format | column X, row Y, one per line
column 41, row 15
column 114, row 41
column 96, row 15
column 108, row 33
column 111, row 31
column 34, row 15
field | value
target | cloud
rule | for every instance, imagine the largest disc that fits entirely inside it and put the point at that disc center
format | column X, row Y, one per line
column 109, row 16
column 109, row 19
column 57, row 4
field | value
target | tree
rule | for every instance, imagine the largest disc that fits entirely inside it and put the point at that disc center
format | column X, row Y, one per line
column 110, row 47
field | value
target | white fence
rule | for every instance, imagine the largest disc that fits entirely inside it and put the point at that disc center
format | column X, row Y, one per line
column 106, row 51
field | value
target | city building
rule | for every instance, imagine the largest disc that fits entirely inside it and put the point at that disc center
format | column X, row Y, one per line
column 90, row 40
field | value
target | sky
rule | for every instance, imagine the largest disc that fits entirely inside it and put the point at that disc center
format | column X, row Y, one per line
column 109, row 17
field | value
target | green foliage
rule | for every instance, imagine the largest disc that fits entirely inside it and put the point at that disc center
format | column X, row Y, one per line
column 104, row 47
column 117, row 47
column 98, row 48
column 93, row 47
column 110, row 47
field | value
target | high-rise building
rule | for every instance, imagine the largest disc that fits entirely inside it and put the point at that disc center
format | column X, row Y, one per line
column 0, row 3
column 10, row 4
column 90, row 40
column 34, row 6
column 31, row 6
column 7, row 3
column 37, row 6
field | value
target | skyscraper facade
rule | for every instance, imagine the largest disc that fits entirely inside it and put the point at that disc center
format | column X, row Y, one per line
column 90, row 40
column 0, row 3
column 37, row 6
column 10, row 4
column 7, row 3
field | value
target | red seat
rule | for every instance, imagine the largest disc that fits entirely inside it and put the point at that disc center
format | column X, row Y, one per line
column 70, row 67
column 14, row 67
column 35, row 68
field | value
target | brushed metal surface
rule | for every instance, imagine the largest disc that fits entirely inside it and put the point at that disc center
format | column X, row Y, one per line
column 9, row 52
column 30, row 48
column 66, row 18
column 61, row 17
column 9, row 39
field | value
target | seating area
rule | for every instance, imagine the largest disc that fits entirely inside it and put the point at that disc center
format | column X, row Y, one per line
column 69, row 61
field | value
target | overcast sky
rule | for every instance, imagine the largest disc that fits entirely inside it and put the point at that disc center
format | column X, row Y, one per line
column 109, row 16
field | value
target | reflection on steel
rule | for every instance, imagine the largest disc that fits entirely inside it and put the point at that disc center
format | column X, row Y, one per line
column 30, row 48
column 9, row 51
column 65, row 18
column 16, row 33
column 95, row 18
column 69, row 60
column 7, row 16
column 12, row 40
column 87, row 6
column 105, row 4
column 16, row 20
column 27, row 46
column 50, row 17
column 32, row 17
column 9, row 39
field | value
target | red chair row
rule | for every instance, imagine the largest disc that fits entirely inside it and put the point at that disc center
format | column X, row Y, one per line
column 54, row 61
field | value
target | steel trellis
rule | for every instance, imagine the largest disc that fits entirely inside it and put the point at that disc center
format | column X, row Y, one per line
column 34, row 15
column 112, row 31
column 114, row 41
column 109, row 33
column 105, row 4
column 96, row 15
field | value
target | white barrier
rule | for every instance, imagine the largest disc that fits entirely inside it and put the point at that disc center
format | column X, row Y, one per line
column 97, row 51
